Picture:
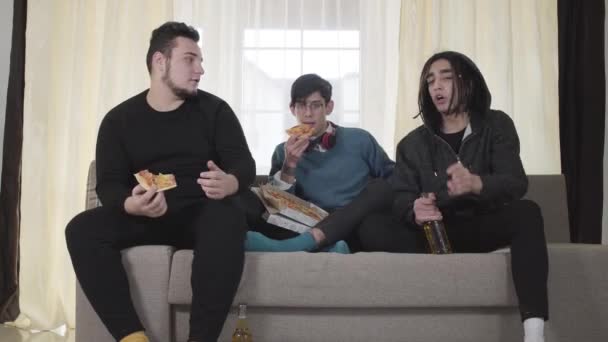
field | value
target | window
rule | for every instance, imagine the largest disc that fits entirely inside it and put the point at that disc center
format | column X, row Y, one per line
column 274, row 58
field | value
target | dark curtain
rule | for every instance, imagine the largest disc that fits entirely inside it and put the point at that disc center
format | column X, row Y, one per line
column 582, row 112
column 10, row 191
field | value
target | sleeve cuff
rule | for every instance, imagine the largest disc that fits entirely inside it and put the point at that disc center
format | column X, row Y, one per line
column 279, row 183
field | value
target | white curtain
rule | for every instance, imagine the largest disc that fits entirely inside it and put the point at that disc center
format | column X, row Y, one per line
column 83, row 58
column 513, row 42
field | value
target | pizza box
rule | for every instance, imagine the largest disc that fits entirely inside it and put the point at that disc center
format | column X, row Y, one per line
column 285, row 204
column 292, row 206
column 285, row 222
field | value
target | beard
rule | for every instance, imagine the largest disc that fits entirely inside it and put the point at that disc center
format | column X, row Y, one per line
column 179, row 92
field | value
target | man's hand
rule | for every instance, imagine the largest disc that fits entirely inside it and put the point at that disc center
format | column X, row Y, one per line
column 426, row 210
column 462, row 181
column 294, row 148
column 146, row 203
column 216, row 183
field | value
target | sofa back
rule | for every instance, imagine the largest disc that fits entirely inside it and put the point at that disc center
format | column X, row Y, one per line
column 548, row 191
column 92, row 201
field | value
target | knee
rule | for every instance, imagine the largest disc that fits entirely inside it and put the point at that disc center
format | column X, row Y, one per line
column 76, row 229
column 528, row 209
column 252, row 206
column 227, row 210
column 528, row 205
column 529, row 215
column 89, row 225
column 229, row 204
column 380, row 191
column 224, row 218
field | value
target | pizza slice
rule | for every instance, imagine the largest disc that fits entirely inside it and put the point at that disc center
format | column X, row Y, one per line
column 163, row 182
column 302, row 129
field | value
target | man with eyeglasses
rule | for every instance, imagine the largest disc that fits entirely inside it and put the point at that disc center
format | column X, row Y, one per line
column 337, row 168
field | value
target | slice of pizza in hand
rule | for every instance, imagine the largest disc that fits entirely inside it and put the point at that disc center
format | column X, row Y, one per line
column 163, row 182
column 302, row 129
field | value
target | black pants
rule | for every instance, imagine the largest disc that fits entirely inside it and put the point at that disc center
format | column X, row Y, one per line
column 381, row 232
column 214, row 229
column 344, row 222
column 519, row 225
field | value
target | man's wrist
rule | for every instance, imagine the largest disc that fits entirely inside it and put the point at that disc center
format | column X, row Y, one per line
column 288, row 175
column 127, row 206
column 288, row 170
column 235, row 182
column 477, row 184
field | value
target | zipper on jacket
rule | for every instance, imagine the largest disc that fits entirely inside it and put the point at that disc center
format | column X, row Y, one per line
column 456, row 154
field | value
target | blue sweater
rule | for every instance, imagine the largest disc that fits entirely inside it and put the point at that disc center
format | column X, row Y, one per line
column 333, row 178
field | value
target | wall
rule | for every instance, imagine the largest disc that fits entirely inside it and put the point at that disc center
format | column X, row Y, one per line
column 6, row 25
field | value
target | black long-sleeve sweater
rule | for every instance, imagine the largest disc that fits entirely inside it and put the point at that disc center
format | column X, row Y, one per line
column 133, row 136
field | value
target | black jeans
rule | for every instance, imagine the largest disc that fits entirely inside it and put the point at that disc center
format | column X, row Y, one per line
column 518, row 225
column 381, row 232
column 214, row 229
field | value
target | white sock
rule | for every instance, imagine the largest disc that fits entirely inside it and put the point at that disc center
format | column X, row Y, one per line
column 534, row 330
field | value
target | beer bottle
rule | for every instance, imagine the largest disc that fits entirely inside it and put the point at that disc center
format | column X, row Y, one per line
column 436, row 235
column 241, row 333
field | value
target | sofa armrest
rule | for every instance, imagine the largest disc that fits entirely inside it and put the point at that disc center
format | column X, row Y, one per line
column 92, row 201
column 578, row 300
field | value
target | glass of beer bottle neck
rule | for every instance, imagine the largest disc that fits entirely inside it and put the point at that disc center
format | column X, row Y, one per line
column 242, row 311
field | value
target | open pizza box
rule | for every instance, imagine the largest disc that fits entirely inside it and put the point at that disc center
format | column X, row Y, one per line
column 288, row 211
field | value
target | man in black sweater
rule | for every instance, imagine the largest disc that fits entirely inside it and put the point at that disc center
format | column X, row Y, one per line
column 170, row 128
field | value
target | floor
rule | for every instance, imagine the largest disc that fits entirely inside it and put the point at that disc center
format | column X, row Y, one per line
column 11, row 334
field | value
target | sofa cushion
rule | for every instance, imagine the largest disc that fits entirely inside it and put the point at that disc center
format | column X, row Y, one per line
column 370, row 280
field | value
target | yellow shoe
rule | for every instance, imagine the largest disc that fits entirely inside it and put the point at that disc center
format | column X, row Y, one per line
column 138, row 336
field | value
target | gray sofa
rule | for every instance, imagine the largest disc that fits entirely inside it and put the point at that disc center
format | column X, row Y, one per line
column 377, row 296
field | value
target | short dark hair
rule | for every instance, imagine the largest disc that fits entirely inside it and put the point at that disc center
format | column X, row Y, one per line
column 473, row 93
column 163, row 39
column 307, row 84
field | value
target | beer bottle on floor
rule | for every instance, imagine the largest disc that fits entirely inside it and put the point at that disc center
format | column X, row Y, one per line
column 241, row 333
